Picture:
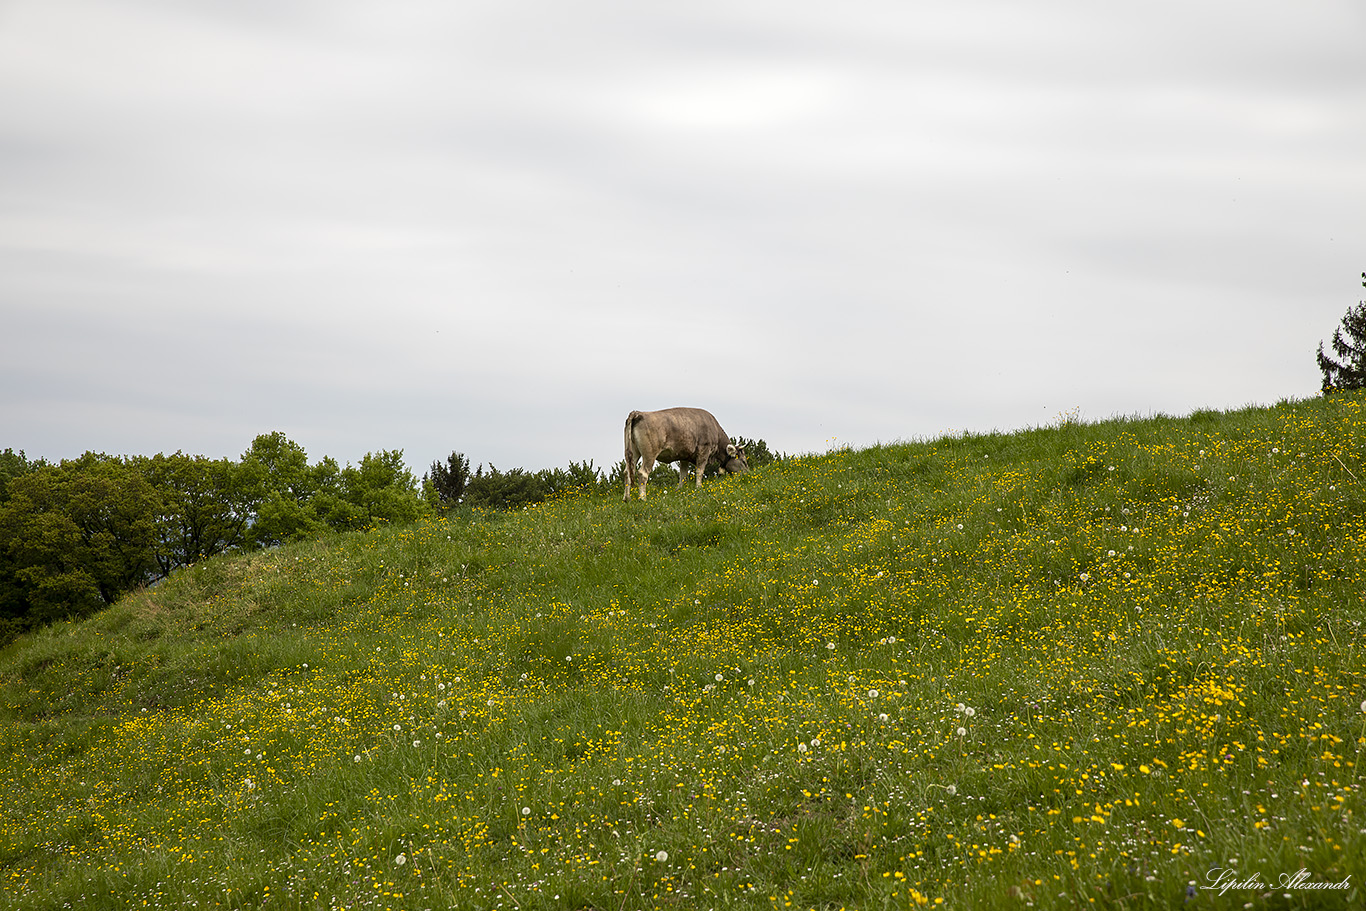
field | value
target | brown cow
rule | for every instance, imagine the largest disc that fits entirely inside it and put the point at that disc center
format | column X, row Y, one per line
column 677, row 435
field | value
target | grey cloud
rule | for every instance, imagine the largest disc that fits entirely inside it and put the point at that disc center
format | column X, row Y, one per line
column 498, row 227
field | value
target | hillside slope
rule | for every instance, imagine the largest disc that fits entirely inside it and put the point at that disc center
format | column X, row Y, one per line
column 1086, row 663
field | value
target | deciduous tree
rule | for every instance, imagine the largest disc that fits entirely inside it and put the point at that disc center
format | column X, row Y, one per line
column 79, row 535
column 206, row 508
column 381, row 488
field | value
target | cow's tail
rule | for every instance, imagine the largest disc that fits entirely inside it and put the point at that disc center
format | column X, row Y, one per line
column 632, row 450
column 631, row 420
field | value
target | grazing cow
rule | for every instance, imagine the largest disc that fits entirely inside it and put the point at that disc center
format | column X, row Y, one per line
column 677, row 435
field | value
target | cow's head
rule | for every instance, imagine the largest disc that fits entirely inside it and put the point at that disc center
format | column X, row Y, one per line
column 734, row 461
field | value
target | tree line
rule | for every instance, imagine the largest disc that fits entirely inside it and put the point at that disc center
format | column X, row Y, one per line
column 77, row 535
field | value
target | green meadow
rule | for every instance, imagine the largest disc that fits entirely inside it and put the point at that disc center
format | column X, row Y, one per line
column 1114, row 664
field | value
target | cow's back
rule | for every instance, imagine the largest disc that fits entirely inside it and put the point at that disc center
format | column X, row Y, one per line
column 679, row 431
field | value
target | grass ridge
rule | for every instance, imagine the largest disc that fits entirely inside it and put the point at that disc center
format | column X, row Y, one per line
column 1085, row 664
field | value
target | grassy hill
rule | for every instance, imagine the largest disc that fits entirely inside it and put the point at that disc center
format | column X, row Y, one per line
column 1073, row 666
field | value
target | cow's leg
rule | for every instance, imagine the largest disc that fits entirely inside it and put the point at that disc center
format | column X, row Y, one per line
column 647, row 464
column 682, row 472
column 703, row 457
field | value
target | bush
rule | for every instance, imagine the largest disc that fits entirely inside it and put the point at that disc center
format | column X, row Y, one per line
column 757, row 453
column 506, row 489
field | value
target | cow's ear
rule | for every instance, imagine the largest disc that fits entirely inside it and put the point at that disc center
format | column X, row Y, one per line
column 731, row 450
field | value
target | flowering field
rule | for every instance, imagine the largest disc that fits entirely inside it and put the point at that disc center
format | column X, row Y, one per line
column 1098, row 665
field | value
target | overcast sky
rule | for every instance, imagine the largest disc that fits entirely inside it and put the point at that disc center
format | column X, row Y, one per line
column 497, row 227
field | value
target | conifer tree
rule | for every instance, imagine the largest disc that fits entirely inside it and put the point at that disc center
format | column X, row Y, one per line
column 448, row 482
column 1349, row 344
